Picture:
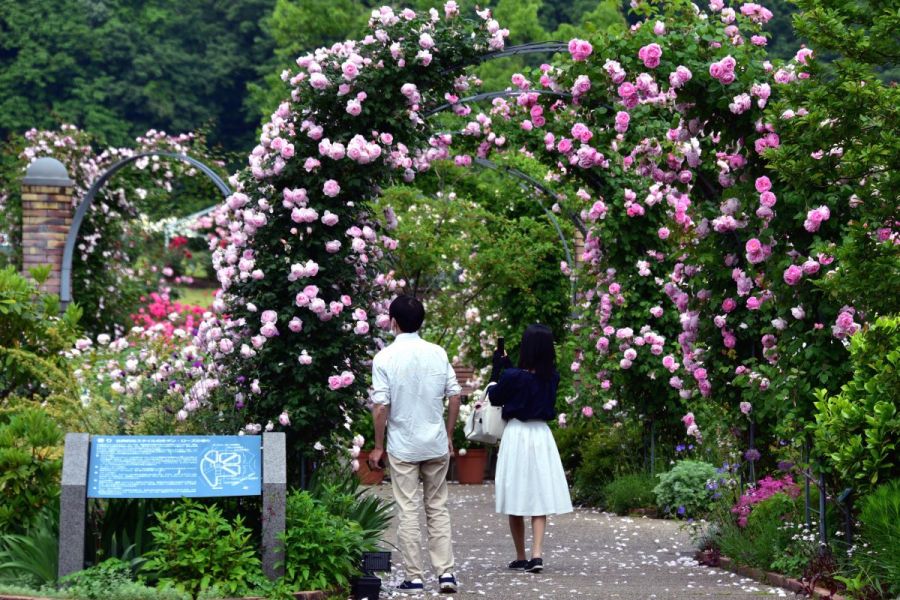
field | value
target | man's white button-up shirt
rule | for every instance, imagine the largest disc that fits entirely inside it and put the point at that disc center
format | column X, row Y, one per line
column 413, row 377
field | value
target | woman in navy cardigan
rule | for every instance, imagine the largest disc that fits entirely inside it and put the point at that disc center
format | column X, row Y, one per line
column 530, row 481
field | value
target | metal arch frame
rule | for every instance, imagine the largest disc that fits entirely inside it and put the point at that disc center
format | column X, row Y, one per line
column 65, row 293
column 529, row 48
column 492, row 95
column 517, row 50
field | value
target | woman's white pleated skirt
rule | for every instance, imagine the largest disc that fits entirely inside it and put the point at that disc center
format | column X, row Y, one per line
column 530, row 480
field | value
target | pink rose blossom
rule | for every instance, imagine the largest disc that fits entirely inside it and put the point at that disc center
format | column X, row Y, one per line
column 354, row 107
column 580, row 49
column 350, row 70
column 792, row 275
column 622, row 121
column 331, row 188
column 650, row 54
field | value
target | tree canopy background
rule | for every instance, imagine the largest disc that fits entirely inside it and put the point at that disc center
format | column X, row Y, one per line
column 117, row 68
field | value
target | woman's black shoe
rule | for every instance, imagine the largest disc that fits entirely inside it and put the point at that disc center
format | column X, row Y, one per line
column 518, row 565
column 535, row 565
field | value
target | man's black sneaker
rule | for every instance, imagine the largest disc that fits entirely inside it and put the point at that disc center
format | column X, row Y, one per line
column 447, row 583
column 518, row 565
column 411, row 586
column 535, row 565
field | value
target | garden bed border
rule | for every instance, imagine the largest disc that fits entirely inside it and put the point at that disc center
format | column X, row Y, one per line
column 297, row 596
column 767, row 577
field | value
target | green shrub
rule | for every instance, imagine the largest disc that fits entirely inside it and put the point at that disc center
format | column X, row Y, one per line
column 25, row 591
column 31, row 558
column 321, row 550
column 196, row 547
column 859, row 428
column 630, row 491
column 121, row 527
column 570, row 441
column 33, row 336
column 99, row 581
column 609, row 452
column 879, row 519
column 30, row 466
column 139, row 591
column 765, row 536
column 341, row 495
column 112, row 580
column 683, row 491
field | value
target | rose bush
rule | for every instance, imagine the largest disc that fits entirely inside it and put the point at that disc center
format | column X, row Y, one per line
column 705, row 260
column 302, row 286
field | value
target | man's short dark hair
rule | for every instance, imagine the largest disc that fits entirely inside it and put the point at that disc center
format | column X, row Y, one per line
column 408, row 312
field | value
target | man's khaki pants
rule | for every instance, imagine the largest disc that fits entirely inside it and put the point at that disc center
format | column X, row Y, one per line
column 405, row 482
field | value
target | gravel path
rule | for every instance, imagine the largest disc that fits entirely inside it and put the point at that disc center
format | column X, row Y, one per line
column 587, row 554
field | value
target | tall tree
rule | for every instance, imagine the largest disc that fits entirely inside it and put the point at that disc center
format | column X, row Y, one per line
column 121, row 67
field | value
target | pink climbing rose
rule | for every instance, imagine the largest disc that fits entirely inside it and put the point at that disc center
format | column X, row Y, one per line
column 650, row 54
column 580, row 49
column 793, row 274
column 331, row 188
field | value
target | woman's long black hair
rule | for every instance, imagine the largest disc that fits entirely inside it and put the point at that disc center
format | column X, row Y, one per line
column 536, row 352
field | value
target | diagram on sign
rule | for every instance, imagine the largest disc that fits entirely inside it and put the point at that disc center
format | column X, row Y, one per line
column 227, row 468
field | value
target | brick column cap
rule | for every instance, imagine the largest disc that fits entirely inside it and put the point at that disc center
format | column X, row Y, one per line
column 48, row 172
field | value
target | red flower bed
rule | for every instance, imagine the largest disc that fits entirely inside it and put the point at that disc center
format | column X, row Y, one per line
column 170, row 315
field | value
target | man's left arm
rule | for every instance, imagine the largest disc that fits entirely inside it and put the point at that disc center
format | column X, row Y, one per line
column 381, row 397
column 451, row 389
column 379, row 417
column 452, row 416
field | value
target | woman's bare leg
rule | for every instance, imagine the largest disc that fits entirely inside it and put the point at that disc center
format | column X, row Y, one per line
column 538, row 527
column 517, row 529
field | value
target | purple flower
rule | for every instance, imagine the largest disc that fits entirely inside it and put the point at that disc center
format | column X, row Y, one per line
column 752, row 455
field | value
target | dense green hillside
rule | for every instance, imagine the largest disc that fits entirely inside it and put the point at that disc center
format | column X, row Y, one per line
column 120, row 67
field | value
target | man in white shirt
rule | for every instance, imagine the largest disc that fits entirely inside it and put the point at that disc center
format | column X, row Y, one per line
column 410, row 379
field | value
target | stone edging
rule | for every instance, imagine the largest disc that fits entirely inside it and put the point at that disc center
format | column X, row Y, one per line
column 769, row 578
column 297, row 596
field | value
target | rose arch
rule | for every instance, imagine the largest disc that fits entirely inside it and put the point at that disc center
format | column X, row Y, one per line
column 85, row 205
column 696, row 298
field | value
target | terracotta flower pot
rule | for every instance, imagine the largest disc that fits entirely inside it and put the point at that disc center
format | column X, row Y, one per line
column 366, row 475
column 471, row 465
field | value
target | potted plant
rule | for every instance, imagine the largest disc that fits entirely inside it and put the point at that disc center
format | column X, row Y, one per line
column 365, row 431
column 471, row 458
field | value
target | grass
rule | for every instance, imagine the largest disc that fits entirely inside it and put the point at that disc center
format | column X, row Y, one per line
column 196, row 296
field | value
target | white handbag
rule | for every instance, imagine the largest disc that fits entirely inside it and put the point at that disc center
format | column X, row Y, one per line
column 485, row 423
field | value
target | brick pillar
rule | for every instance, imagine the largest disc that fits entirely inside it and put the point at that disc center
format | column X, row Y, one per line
column 46, row 218
column 579, row 248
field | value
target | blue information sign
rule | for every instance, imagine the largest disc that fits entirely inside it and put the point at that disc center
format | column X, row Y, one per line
column 191, row 466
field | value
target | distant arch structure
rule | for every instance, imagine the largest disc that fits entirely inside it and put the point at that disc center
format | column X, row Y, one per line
column 65, row 292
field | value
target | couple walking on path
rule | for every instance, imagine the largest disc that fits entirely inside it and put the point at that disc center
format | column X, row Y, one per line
column 410, row 379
